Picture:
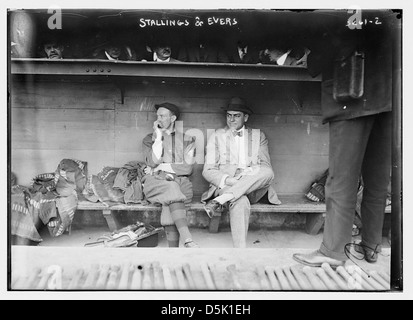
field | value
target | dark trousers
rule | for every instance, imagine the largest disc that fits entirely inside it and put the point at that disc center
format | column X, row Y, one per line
column 360, row 146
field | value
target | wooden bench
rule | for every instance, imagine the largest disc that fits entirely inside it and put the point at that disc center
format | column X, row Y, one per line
column 314, row 220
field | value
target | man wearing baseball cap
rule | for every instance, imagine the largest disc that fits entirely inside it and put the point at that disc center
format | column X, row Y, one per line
column 170, row 157
column 239, row 171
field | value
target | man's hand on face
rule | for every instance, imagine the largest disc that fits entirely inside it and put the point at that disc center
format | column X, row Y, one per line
column 157, row 130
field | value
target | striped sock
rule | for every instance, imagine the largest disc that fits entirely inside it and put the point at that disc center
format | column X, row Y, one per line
column 172, row 236
column 178, row 214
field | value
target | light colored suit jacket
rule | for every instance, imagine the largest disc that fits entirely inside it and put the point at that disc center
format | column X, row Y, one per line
column 222, row 158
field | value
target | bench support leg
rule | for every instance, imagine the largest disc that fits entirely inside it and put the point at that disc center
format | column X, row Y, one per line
column 314, row 222
column 214, row 224
column 111, row 220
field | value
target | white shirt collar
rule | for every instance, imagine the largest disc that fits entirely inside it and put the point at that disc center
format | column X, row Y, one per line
column 281, row 60
column 155, row 58
column 108, row 56
column 240, row 50
column 241, row 130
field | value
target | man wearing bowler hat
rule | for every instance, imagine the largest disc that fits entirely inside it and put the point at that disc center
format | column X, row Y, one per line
column 170, row 157
column 239, row 171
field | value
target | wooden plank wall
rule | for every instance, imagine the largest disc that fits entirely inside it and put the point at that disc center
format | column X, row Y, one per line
column 52, row 120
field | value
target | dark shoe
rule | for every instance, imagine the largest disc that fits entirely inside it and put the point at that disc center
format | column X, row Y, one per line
column 369, row 254
column 316, row 259
column 189, row 243
column 213, row 208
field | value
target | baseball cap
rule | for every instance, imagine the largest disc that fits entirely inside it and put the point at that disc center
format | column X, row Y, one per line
column 170, row 106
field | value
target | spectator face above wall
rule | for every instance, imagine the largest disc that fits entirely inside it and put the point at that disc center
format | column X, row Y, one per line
column 163, row 52
column 53, row 50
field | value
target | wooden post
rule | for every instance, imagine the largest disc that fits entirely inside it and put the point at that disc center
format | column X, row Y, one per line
column 214, row 224
column 314, row 222
column 111, row 220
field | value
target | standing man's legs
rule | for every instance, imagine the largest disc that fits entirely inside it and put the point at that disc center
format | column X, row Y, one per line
column 376, row 177
column 347, row 145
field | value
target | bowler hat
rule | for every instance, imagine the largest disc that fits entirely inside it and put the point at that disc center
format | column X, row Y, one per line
column 237, row 104
column 170, row 106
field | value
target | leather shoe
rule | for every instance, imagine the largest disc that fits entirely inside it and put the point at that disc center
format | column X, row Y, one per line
column 370, row 255
column 189, row 243
column 316, row 259
column 213, row 208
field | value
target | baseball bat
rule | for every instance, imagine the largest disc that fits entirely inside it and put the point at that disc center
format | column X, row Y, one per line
column 157, row 279
column 376, row 285
column 275, row 285
column 385, row 276
column 338, row 280
column 136, row 282
column 34, row 277
column 181, row 279
column 350, row 281
column 167, row 278
column 103, row 275
column 55, row 279
column 234, row 276
column 112, row 280
column 379, row 279
column 207, row 276
column 282, row 279
column 301, row 279
column 188, row 274
column 326, row 279
column 314, row 280
column 264, row 281
column 146, row 277
column 124, row 277
column 356, row 273
column 294, row 284
column 214, row 272
column 75, row 282
column 41, row 285
column 91, row 277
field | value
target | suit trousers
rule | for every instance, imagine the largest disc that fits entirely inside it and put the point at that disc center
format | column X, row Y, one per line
column 358, row 147
column 249, row 189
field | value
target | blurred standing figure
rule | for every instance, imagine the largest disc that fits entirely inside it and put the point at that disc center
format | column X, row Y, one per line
column 360, row 139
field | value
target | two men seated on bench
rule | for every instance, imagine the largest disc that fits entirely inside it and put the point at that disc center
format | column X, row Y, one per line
column 238, row 168
column 170, row 160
